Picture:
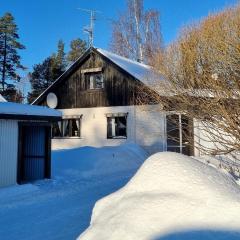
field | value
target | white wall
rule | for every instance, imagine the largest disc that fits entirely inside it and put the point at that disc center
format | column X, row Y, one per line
column 8, row 152
column 204, row 139
column 145, row 126
column 151, row 128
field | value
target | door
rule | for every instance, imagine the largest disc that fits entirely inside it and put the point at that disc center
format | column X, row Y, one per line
column 34, row 162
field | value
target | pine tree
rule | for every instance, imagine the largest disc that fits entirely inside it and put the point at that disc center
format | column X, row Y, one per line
column 40, row 78
column 58, row 61
column 78, row 47
column 9, row 46
column 61, row 55
column 45, row 73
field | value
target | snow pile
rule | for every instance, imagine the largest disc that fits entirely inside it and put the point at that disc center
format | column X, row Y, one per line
column 25, row 109
column 172, row 196
column 229, row 163
column 88, row 162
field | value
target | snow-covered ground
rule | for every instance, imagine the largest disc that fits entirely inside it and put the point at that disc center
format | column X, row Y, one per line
column 226, row 162
column 61, row 208
column 171, row 197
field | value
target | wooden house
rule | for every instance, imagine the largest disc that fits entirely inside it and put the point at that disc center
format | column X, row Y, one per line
column 97, row 97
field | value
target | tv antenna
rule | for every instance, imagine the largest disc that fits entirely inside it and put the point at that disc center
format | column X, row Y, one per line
column 90, row 29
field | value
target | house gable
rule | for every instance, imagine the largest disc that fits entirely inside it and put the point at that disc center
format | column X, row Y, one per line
column 73, row 88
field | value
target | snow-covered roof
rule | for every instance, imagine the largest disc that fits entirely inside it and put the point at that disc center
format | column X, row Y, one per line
column 9, row 108
column 140, row 71
column 2, row 99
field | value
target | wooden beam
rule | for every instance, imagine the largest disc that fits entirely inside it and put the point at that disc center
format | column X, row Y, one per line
column 92, row 70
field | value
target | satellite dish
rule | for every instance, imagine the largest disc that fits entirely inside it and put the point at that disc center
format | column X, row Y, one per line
column 52, row 100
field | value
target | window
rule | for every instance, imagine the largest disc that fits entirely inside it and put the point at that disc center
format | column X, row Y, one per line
column 96, row 81
column 117, row 126
column 56, row 129
column 179, row 130
column 71, row 127
column 67, row 128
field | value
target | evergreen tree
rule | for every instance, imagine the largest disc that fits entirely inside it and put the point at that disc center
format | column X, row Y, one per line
column 12, row 94
column 60, row 58
column 58, row 61
column 45, row 73
column 78, row 47
column 40, row 78
column 9, row 44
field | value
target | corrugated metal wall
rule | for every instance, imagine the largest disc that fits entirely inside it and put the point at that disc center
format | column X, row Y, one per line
column 8, row 152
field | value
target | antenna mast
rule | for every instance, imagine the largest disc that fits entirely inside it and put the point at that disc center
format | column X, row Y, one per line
column 90, row 29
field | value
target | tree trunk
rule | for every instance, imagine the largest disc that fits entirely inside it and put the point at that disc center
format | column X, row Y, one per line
column 4, row 62
column 139, row 40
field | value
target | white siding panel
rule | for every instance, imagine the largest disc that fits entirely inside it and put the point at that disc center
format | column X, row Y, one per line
column 94, row 128
column 8, row 152
column 150, row 128
column 204, row 140
column 145, row 126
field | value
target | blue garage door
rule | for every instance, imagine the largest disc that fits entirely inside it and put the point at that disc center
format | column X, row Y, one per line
column 34, row 153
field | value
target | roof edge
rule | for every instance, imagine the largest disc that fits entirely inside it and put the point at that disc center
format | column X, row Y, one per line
column 29, row 117
column 65, row 73
column 84, row 55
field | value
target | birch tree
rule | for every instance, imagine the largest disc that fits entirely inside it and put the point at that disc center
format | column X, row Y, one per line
column 136, row 32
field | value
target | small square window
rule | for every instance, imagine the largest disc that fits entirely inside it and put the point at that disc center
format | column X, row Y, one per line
column 116, row 127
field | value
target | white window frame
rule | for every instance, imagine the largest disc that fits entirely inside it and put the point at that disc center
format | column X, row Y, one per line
column 180, row 146
column 112, row 117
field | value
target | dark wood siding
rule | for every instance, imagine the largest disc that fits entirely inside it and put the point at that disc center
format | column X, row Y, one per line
column 74, row 92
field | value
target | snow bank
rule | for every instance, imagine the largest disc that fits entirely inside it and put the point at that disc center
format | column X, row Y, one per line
column 171, row 197
column 88, row 162
column 224, row 162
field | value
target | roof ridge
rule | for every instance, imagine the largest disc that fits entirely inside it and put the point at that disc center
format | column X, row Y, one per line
column 124, row 58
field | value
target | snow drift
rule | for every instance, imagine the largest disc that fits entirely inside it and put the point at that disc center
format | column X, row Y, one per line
column 89, row 162
column 171, row 197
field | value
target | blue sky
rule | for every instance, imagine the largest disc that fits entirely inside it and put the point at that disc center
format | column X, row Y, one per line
column 42, row 23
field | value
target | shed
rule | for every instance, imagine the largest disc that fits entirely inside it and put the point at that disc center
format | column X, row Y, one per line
column 25, row 142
